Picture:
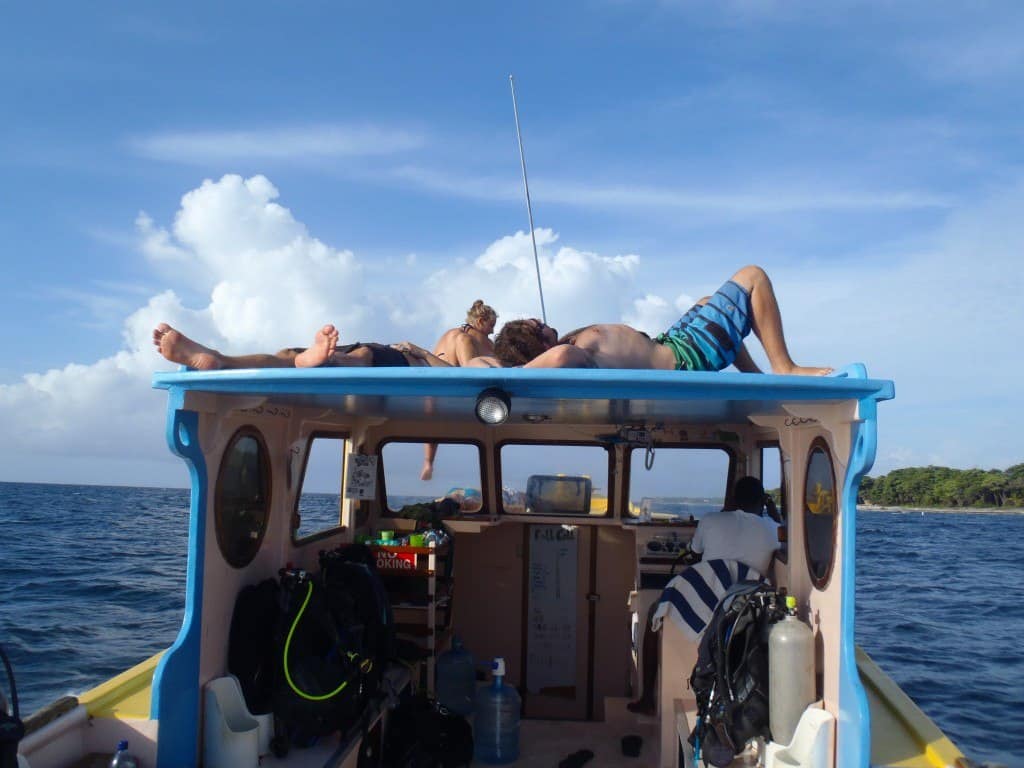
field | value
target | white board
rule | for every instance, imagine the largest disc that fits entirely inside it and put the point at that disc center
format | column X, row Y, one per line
column 551, row 608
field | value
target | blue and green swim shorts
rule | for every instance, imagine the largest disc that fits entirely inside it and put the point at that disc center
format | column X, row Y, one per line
column 708, row 337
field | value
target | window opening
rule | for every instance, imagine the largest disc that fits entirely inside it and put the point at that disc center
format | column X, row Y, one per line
column 684, row 483
column 550, row 479
column 456, row 475
column 319, row 504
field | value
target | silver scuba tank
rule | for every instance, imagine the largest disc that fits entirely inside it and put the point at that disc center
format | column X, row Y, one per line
column 790, row 673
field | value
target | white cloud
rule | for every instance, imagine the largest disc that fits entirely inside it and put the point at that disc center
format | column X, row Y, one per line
column 300, row 142
column 766, row 199
column 943, row 322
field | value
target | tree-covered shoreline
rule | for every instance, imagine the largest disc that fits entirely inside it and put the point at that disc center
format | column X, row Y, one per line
column 945, row 488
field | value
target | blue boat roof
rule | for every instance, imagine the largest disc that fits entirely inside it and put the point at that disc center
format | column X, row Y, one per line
column 559, row 394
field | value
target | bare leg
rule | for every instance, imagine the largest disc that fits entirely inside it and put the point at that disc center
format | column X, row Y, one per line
column 429, row 452
column 179, row 348
column 744, row 362
column 766, row 322
column 324, row 344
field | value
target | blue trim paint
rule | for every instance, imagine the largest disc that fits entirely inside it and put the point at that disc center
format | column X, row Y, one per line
column 853, row 741
column 176, row 681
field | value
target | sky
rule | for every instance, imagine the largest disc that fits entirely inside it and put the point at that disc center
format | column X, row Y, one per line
column 250, row 171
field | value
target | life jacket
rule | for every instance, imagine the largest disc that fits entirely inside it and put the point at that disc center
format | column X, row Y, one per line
column 730, row 679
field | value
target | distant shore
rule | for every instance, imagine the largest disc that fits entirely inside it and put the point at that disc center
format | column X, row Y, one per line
column 945, row 510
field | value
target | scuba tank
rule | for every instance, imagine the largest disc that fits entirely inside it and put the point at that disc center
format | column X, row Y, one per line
column 790, row 673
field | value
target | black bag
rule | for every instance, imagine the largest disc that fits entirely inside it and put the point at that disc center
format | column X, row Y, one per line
column 730, row 679
column 252, row 643
column 422, row 734
column 359, row 604
column 321, row 688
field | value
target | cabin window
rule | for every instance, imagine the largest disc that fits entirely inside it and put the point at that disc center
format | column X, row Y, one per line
column 772, row 477
column 242, row 501
column 681, row 484
column 547, row 479
column 820, row 512
column 318, row 508
column 456, row 475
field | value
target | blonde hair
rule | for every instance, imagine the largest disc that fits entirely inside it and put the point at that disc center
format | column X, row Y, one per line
column 480, row 311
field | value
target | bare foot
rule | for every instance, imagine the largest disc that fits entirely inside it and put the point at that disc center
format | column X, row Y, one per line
column 179, row 348
column 428, row 471
column 804, row 370
column 324, row 344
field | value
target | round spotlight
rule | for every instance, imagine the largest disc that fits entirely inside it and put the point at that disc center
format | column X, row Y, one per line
column 493, row 406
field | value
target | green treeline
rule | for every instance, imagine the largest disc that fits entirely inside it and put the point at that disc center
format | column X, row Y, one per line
column 945, row 487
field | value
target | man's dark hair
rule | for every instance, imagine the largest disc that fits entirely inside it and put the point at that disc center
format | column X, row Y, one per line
column 748, row 493
column 519, row 342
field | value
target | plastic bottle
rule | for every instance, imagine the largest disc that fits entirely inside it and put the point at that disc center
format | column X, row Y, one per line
column 790, row 673
column 456, row 679
column 496, row 727
column 122, row 759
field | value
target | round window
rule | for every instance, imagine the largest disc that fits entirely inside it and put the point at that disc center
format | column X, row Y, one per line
column 243, row 497
column 820, row 513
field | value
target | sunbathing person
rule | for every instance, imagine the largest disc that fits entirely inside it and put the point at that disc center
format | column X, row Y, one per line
column 709, row 337
column 471, row 339
column 178, row 348
column 458, row 346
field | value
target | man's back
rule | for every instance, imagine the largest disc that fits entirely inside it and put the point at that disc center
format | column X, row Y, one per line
column 737, row 535
column 620, row 346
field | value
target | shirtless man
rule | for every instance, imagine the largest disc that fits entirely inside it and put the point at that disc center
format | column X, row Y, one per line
column 178, row 348
column 458, row 346
column 709, row 337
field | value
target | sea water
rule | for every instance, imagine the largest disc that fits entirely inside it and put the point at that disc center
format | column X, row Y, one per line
column 92, row 581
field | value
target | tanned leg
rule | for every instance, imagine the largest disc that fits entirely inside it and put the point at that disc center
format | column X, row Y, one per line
column 429, row 452
column 179, row 348
column 766, row 322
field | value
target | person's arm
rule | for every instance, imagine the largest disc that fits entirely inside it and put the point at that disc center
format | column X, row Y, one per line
column 465, row 350
column 408, row 348
column 563, row 356
column 744, row 362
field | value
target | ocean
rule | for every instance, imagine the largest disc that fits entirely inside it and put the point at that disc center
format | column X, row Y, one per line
column 92, row 582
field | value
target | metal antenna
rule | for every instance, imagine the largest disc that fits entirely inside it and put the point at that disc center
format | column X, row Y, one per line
column 529, row 208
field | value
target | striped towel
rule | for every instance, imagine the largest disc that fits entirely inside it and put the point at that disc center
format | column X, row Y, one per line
column 691, row 597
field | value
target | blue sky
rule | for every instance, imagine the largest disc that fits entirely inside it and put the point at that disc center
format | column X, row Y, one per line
column 249, row 171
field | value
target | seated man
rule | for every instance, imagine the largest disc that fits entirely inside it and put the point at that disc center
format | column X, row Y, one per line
column 178, row 348
column 709, row 337
column 739, row 533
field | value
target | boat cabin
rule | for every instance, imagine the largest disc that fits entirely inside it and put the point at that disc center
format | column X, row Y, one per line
column 570, row 496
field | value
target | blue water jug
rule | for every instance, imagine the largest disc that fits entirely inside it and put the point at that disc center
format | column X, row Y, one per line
column 496, row 726
column 456, row 679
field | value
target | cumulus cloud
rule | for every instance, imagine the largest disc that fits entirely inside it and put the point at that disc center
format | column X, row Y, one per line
column 268, row 283
column 942, row 321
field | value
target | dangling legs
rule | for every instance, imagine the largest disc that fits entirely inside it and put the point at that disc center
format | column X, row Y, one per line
column 766, row 321
column 178, row 348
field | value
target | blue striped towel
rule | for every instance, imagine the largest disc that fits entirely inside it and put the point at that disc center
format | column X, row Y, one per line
column 691, row 597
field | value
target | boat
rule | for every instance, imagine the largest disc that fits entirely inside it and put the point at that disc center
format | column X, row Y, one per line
column 536, row 446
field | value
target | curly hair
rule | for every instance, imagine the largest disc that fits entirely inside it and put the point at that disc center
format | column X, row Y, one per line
column 519, row 342
column 480, row 311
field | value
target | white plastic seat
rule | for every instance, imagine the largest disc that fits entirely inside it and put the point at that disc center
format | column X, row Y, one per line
column 231, row 736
